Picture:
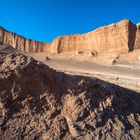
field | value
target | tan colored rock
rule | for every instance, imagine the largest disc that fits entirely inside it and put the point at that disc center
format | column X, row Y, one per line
column 19, row 42
column 123, row 36
column 118, row 37
column 108, row 38
column 138, row 58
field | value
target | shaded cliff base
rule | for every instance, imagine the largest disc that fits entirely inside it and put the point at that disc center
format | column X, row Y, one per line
column 37, row 102
column 103, row 58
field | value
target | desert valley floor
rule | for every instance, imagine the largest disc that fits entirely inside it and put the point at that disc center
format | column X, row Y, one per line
column 124, row 72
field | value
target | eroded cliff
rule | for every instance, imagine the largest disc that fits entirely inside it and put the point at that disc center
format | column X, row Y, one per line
column 20, row 43
column 123, row 36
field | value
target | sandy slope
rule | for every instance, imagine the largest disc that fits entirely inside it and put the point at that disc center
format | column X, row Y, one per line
column 120, row 74
column 38, row 103
column 126, row 72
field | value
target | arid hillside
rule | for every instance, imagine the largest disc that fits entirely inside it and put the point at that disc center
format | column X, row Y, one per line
column 37, row 102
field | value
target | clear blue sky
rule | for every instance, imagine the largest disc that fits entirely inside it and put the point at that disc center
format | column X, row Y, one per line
column 43, row 20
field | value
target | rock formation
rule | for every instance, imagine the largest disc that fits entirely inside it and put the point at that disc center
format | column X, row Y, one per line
column 37, row 102
column 123, row 36
column 19, row 42
column 111, row 38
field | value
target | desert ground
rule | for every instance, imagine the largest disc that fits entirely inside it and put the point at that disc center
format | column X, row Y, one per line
column 124, row 72
column 73, row 98
column 119, row 69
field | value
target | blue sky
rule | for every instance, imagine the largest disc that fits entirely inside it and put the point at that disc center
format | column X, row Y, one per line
column 44, row 20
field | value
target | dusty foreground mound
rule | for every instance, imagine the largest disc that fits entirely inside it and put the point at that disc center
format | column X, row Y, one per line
column 40, row 103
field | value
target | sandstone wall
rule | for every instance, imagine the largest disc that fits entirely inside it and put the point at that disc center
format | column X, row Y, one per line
column 113, row 37
column 123, row 36
column 20, row 43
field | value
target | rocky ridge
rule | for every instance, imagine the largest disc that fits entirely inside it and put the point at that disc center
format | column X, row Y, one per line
column 123, row 36
column 37, row 102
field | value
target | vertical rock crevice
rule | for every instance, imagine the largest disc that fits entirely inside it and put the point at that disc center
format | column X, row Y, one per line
column 137, row 40
column 132, row 29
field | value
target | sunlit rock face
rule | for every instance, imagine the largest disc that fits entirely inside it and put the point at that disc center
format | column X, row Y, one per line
column 113, row 37
column 123, row 36
column 19, row 42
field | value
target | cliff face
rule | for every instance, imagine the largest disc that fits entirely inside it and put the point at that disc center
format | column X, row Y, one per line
column 123, row 36
column 19, row 42
column 108, row 38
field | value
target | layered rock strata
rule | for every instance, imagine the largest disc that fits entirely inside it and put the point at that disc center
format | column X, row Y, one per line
column 123, row 36
column 19, row 42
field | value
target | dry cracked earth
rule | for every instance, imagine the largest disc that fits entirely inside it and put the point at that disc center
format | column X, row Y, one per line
column 39, row 103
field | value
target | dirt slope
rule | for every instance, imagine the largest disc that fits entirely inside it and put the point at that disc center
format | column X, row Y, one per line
column 39, row 103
